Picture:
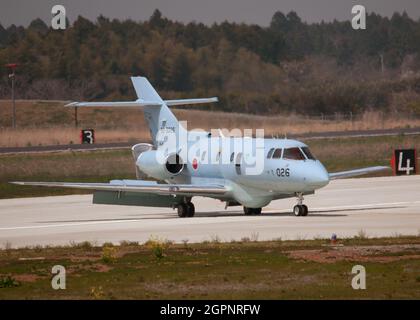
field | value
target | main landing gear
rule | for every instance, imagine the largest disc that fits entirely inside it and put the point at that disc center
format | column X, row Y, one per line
column 300, row 210
column 252, row 211
column 186, row 210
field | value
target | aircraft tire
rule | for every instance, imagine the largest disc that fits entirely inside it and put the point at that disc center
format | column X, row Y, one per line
column 305, row 210
column 298, row 210
column 191, row 209
column 252, row 211
column 247, row 211
column 182, row 210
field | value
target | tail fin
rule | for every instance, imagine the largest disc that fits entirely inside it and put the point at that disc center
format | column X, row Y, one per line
column 157, row 117
column 156, row 111
column 144, row 90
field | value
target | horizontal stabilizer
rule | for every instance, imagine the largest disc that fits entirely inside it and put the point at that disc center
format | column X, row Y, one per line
column 184, row 102
column 141, row 103
column 120, row 104
column 357, row 172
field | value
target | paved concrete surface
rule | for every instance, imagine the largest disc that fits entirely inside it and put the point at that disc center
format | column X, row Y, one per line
column 386, row 206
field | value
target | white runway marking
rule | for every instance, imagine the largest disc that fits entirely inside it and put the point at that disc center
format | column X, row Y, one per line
column 385, row 206
column 68, row 225
column 355, row 207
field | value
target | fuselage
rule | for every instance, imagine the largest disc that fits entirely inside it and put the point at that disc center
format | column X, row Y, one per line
column 257, row 170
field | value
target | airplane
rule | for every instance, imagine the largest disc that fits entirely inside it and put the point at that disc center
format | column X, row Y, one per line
column 240, row 171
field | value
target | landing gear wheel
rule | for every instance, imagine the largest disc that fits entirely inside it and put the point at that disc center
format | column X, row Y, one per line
column 298, row 210
column 252, row 211
column 186, row 210
column 182, row 210
column 191, row 209
column 305, row 210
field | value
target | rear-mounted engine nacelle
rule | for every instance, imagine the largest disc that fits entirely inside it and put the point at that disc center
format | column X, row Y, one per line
column 156, row 165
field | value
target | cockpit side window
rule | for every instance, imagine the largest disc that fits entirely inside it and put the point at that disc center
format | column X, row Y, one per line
column 293, row 154
column 277, row 154
column 270, row 153
column 308, row 153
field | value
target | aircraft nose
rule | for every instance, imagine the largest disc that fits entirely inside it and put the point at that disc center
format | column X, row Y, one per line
column 320, row 178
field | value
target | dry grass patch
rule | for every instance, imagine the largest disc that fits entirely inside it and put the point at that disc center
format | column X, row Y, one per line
column 49, row 123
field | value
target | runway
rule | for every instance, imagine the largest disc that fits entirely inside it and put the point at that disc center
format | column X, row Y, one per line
column 386, row 206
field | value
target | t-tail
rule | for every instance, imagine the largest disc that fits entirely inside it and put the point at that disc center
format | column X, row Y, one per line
column 156, row 112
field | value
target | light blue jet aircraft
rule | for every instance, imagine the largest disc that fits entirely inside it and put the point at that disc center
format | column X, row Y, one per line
column 240, row 171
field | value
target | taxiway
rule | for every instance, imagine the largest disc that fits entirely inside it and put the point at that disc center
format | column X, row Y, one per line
column 375, row 207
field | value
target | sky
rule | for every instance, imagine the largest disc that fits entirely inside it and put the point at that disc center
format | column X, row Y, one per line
column 22, row 12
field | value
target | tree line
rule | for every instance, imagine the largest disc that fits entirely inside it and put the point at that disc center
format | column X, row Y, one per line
column 288, row 67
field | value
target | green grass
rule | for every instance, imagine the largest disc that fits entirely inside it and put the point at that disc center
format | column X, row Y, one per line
column 350, row 153
column 248, row 270
column 96, row 166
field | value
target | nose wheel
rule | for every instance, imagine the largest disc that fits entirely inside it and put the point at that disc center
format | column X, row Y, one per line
column 300, row 210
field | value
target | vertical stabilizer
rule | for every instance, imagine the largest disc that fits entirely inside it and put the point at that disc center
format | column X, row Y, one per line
column 158, row 117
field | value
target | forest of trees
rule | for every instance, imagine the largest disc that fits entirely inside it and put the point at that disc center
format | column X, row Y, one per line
column 289, row 67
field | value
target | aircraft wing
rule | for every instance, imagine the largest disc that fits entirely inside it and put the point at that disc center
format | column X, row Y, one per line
column 138, row 186
column 356, row 172
column 141, row 103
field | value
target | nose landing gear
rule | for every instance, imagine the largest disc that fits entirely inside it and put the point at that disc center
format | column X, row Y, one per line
column 300, row 210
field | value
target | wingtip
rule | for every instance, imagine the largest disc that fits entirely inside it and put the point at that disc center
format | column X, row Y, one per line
column 20, row 183
column 385, row 167
column 71, row 104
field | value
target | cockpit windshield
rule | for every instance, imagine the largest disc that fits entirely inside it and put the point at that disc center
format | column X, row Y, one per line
column 308, row 153
column 293, row 154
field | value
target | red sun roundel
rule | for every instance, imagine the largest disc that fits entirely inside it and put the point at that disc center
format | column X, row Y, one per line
column 195, row 164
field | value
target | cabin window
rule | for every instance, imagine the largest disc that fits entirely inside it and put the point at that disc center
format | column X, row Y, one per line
column 232, row 156
column 277, row 154
column 203, row 156
column 218, row 156
column 308, row 153
column 293, row 154
column 270, row 153
column 163, row 125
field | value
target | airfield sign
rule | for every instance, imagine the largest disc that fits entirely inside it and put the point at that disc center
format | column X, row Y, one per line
column 404, row 162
